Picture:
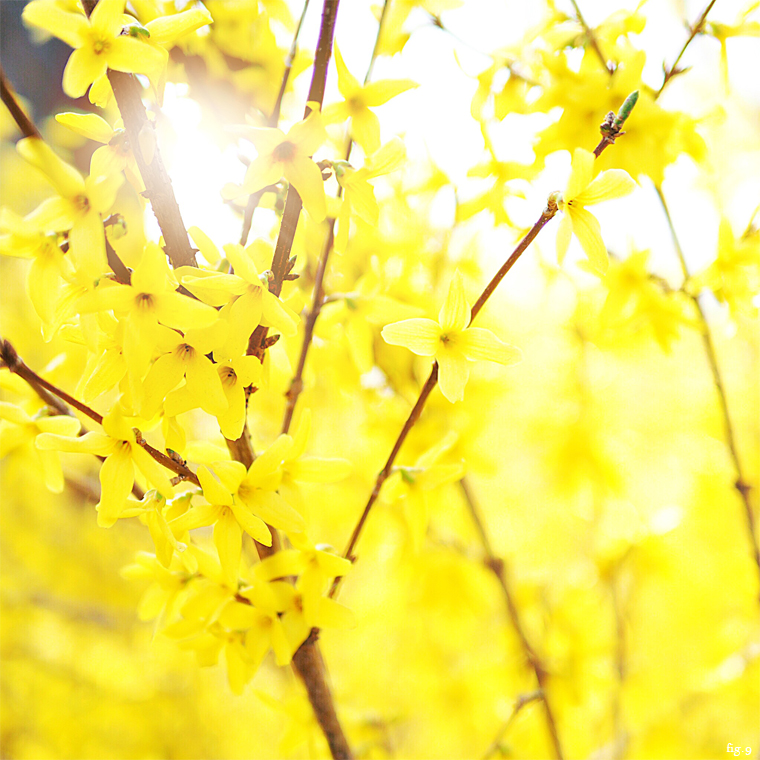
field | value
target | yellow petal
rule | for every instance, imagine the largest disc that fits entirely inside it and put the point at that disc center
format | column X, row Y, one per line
column 254, row 526
column 64, row 178
column 82, row 69
column 69, row 27
column 106, row 18
column 117, row 476
column 332, row 614
column 614, row 183
column 455, row 312
column 273, row 509
column 153, row 471
column 90, row 125
column 365, row 130
column 421, row 336
column 377, row 93
column 263, row 171
column 348, row 85
column 228, row 541
column 88, row 245
column 479, row 343
column 308, row 135
column 589, row 234
column 564, row 235
column 306, row 177
column 453, row 373
column 165, row 29
column 205, row 244
column 131, row 55
column 182, row 312
column 580, row 174
column 388, row 158
column 213, row 491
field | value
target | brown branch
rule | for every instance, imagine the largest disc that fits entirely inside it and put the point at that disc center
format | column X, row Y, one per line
column 610, row 129
column 274, row 118
column 296, row 384
column 522, row 700
column 9, row 97
column 591, row 37
column 158, row 185
column 280, row 260
column 497, row 567
column 16, row 365
column 741, row 484
column 695, row 30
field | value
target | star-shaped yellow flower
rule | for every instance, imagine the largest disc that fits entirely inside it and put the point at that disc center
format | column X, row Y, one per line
column 451, row 341
column 98, row 42
column 288, row 156
column 365, row 126
column 583, row 190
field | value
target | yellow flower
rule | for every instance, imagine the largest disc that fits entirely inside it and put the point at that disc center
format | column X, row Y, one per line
column 358, row 194
column 365, row 126
column 252, row 302
column 114, row 156
column 117, row 475
column 17, row 428
column 582, row 191
column 77, row 209
column 149, row 301
column 451, row 341
column 98, row 42
column 288, row 156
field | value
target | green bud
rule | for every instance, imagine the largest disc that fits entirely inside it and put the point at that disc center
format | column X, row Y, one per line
column 626, row 108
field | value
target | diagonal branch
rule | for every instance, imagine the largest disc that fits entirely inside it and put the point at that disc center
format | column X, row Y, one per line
column 741, row 483
column 695, row 30
column 497, row 567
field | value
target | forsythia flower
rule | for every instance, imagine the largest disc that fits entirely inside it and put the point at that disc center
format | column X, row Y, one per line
column 98, row 42
column 288, row 156
column 77, row 209
column 582, row 191
column 358, row 194
column 451, row 341
column 118, row 444
column 365, row 126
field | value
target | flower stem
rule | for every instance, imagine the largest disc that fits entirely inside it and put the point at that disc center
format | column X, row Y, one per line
column 741, row 483
column 695, row 30
column 591, row 37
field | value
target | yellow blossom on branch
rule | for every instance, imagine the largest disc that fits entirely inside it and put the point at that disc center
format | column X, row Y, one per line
column 365, row 126
column 287, row 156
column 583, row 190
column 97, row 41
column 77, row 208
column 118, row 444
column 451, row 341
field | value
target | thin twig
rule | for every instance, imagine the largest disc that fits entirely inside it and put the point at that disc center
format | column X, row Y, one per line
column 591, row 37
column 522, row 700
column 695, row 30
column 497, row 567
column 610, row 129
column 281, row 258
column 9, row 97
column 741, row 483
column 318, row 301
